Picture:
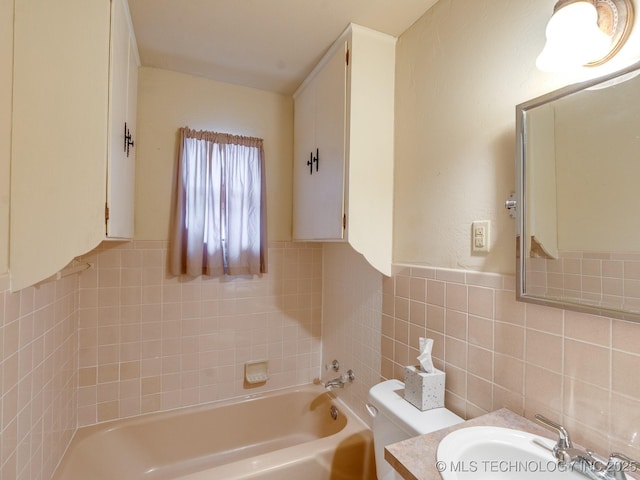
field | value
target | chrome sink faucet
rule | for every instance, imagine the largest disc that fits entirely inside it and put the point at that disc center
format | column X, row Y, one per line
column 587, row 462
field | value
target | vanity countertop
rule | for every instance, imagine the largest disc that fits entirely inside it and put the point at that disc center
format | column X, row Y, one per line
column 415, row 458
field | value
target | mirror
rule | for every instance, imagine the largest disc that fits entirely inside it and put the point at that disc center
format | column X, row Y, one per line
column 578, row 197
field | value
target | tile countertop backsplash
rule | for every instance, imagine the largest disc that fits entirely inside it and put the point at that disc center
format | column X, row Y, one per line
column 574, row 368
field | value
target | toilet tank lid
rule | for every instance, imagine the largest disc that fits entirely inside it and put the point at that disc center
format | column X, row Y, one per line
column 388, row 398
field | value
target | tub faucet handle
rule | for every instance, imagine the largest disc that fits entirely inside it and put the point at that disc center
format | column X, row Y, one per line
column 335, row 366
column 349, row 376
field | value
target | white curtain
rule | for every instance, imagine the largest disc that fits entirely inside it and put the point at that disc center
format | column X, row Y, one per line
column 219, row 224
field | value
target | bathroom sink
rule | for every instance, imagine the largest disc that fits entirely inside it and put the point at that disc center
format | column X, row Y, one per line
column 480, row 453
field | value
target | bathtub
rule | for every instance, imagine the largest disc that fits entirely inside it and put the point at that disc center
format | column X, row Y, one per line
column 288, row 434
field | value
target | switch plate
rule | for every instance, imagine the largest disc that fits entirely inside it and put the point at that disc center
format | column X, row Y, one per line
column 480, row 236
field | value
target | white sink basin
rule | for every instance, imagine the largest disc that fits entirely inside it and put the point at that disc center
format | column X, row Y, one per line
column 481, row 453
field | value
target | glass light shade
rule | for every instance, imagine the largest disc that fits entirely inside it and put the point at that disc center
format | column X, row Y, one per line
column 573, row 38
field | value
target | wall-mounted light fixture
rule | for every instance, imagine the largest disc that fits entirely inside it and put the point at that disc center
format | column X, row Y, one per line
column 585, row 32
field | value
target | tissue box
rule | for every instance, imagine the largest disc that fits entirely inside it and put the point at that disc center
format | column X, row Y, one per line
column 424, row 390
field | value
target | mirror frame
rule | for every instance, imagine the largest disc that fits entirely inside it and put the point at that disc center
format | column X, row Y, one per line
column 521, row 206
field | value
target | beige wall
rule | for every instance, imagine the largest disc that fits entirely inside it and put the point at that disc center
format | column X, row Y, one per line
column 169, row 100
column 461, row 70
column 597, row 170
column 6, row 74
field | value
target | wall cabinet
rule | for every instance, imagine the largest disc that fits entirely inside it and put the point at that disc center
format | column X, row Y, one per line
column 122, row 124
column 343, row 147
column 319, row 136
column 64, row 96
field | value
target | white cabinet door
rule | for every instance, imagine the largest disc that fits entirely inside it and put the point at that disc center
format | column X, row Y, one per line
column 345, row 110
column 304, row 196
column 69, row 96
column 59, row 134
column 319, row 161
column 122, row 102
column 330, row 140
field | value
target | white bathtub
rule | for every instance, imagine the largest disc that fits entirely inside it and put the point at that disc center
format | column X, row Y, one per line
column 289, row 434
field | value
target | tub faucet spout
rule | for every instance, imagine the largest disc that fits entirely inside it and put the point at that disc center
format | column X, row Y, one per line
column 340, row 381
column 334, row 383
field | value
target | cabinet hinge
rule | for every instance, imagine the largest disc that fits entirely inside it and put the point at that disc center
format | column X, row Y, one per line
column 344, row 221
column 106, row 212
column 347, row 57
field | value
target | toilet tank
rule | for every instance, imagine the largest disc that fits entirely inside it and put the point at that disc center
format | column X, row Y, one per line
column 395, row 419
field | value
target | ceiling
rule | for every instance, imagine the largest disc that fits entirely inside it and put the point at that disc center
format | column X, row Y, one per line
column 266, row 44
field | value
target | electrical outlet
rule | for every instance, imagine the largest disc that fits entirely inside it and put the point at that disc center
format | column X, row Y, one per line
column 480, row 236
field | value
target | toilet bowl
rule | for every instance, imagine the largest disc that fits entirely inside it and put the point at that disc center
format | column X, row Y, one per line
column 395, row 419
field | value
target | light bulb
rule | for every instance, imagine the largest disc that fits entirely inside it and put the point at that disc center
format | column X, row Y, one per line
column 573, row 38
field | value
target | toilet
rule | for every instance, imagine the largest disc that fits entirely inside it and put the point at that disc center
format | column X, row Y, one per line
column 395, row 419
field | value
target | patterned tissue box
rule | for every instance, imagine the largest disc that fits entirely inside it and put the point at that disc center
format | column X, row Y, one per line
column 424, row 390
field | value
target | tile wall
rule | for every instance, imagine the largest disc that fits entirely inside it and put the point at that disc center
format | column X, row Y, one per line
column 578, row 369
column 610, row 280
column 151, row 342
column 121, row 319
column 38, row 352
column 352, row 306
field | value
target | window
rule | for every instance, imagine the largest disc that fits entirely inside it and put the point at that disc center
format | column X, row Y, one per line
column 219, row 224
